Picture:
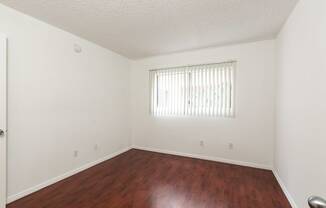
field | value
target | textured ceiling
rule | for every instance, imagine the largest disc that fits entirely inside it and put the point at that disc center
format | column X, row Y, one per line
column 141, row 28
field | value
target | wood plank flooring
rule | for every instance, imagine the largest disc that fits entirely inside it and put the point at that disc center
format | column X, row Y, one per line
column 141, row 179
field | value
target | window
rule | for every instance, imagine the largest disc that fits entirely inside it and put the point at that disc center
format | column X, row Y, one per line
column 200, row 90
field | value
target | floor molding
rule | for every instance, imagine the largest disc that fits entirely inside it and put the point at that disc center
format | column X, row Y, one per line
column 63, row 176
column 216, row 159
column 285, row 190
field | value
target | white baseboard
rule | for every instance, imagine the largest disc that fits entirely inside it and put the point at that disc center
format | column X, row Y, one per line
column 285, row 190
column 216, row 159
column 63, row 176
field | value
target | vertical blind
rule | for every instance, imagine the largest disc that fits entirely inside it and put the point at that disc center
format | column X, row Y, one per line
column 199, row 90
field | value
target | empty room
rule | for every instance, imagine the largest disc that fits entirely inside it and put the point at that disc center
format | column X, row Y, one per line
column 162, row 103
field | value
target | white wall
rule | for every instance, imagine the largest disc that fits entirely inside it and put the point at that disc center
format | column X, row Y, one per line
column 252, row 131
column 301, row 102
column 60, row 101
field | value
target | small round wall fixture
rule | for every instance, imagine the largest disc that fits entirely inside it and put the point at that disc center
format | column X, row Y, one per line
column 77, row 48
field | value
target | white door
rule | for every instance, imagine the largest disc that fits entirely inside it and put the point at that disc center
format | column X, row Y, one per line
column 3, row 121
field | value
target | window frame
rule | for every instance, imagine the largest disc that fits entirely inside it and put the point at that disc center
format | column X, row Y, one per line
column 187, row 101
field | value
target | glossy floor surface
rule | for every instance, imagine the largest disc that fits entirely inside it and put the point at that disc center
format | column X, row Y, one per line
column 140, row 179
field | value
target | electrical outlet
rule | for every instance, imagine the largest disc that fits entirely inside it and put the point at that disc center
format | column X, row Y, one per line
column 231, row 146
column 202, row 143
column 96, row 147
column 76, row 153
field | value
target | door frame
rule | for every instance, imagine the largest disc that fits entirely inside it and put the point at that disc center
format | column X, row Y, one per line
column 4, row 119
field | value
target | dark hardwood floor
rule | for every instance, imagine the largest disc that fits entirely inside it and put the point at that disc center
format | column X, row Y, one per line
column 141, row 179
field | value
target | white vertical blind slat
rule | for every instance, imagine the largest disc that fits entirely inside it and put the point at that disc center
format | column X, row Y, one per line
column 194, row 97
column 212, row 90
column 153, row 92
column 185, row 81
column 229, row 91
column 232, row 90
column 227, row 103
column 197, row 102
column 216, row 91
column 191, row 85
column 175, row 88
column 163, row 102
column 219, row 92
column 170, row 91
column 200, row 94
column 206, row 92
column 180, row 93
column 223, row 91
